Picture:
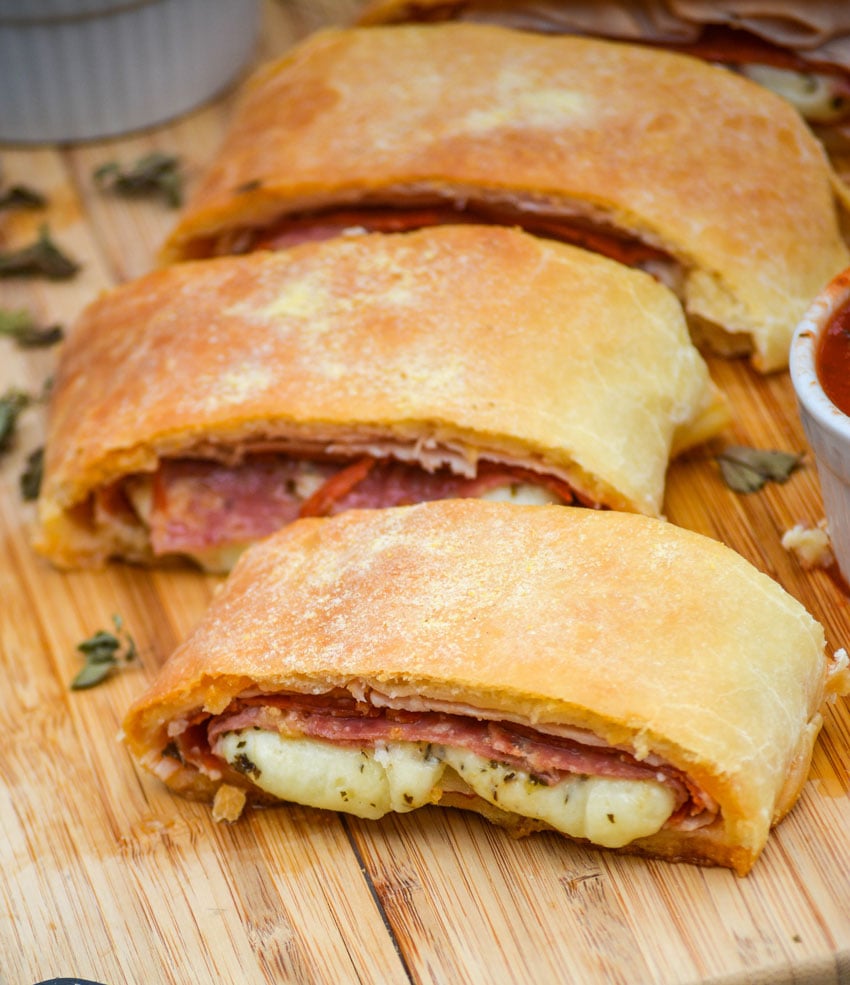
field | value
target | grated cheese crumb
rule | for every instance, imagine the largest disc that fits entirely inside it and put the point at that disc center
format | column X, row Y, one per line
column 810, row 545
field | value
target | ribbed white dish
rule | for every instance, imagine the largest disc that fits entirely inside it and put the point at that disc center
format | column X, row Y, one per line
column 81, row 69
column 827, row 428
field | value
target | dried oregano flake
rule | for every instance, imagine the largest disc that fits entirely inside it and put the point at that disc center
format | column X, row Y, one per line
column 746, row 470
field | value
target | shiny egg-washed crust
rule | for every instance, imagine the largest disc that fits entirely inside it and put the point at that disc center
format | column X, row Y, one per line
column 715, row 170
column 482, row 338
column 652, row 637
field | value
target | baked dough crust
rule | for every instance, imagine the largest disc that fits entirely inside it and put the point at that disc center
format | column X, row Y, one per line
column 713, row 169
column 480, row 339
column 653, row 637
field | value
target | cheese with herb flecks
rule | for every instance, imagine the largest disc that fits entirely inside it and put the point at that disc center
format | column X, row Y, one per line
column 402, row 776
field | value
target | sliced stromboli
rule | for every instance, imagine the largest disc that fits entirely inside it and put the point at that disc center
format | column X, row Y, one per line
column 603, row 674
column 711, row 182
column 799, row 51
column 211, row 402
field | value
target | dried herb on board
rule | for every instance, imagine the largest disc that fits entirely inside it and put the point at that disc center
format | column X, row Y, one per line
column 43, row 258
column 18, row 324
column 103, row 653
column 30, row 478
column 746, row 470
column 22, row 197
column 154, row 175
column 11, row 404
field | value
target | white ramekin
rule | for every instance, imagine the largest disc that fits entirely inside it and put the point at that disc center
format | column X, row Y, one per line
column 827, row 428
column 82, row 69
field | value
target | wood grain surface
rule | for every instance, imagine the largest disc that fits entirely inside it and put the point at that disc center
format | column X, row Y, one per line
column 107, row 876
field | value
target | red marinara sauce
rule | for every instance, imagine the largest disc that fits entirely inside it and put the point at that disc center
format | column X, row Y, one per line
column 832, row 360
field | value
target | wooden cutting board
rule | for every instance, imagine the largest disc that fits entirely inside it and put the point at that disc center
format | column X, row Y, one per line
column 106, row 876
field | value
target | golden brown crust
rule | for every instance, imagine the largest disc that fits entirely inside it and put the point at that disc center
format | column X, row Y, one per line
column 715, row 170
column 652, row 637
column 481, row 338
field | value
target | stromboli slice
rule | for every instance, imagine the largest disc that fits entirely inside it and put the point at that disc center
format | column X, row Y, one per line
column 209, row 403
column 607, row 675
column 708, row 180
column 802, row 52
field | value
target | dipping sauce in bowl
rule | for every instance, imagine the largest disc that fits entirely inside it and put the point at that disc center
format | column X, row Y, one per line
column 820, row 371
column 832, row 359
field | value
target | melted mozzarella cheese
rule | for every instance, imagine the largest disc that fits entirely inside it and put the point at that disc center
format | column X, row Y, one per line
column 521, row 492
column 139, row 490
column 402, row 776
column 369, row 782
column 218, row 560
column 813, row 95
column 605, row 811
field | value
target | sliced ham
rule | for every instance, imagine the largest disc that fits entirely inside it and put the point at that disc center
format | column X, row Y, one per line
column 718, row 43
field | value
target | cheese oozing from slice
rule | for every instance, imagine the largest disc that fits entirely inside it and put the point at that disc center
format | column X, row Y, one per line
column 366, row 782
column 401, row 776
column 812, row 94
column 521, row 492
